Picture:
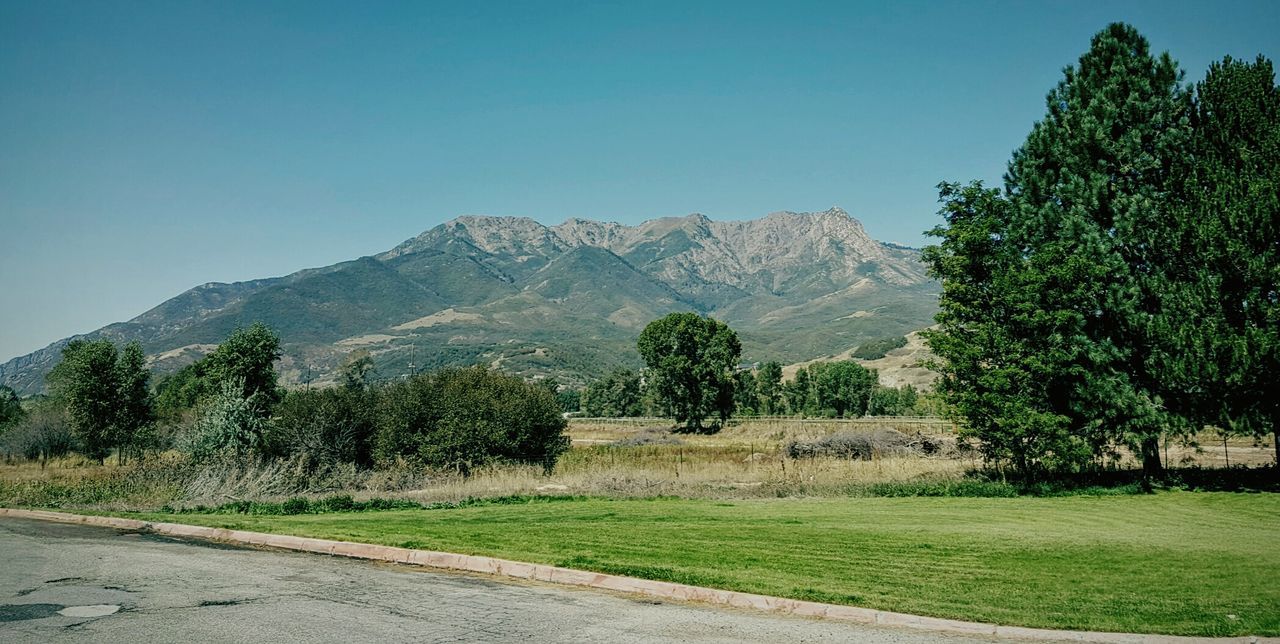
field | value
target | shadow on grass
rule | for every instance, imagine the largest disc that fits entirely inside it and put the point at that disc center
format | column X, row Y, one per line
column 1265, row 478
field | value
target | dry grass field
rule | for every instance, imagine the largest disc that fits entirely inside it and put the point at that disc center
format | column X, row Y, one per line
column 772, row 430
column 610, row 458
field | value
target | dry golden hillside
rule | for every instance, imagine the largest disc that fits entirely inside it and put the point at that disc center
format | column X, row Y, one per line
column 898, row 367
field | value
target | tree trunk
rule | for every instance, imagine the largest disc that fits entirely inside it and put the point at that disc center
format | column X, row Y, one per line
column 1275, row 441
column 1151, row 466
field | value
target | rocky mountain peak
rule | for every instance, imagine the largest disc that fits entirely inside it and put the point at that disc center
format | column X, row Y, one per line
column 567, row 299
column 736, row 253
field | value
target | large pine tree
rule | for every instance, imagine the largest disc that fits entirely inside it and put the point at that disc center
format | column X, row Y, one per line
column 1090, row 185
column 1220, row 304
column 1046, row 347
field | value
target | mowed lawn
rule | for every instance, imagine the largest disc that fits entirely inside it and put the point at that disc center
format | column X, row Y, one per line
column 1188, row 563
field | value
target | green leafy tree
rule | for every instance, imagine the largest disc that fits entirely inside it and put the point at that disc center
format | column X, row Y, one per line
column 43, row 433
column 357, row 371
column 769, row 388
column 107, row 395
column 137, row 417
column 570, row 400
column 908, row 398
column 11, row 412
column 247, row 357
column 87, row 383
column 892, row 401
column 745, row 400
column 997, row 354
column 691, row 361
column 179, row 392
column 1090, row 185
column 617, row 395
column 884, row 401
column 799, row 392
column 843, row 387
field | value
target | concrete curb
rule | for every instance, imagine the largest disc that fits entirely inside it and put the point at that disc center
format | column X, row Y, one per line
column 660, row 589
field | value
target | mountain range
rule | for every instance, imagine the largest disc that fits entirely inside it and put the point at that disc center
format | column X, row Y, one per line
column 567, row 300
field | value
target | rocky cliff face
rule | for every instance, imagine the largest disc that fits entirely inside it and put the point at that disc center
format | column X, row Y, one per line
column 764, row 252
column 567, row 299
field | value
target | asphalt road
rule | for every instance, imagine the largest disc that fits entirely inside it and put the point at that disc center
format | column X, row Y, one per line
column 176, row 591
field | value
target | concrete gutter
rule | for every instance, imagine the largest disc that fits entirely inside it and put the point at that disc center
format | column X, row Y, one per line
column 659, row 589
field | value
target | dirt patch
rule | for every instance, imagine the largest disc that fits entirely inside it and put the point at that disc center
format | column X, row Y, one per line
column 361, row 340
column 648, row 436
column 446, row 316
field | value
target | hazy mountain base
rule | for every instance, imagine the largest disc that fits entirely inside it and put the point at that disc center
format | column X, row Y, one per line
column 567, row 300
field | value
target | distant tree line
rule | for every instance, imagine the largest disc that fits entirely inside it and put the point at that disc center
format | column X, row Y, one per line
column 693, row 375
column 877, row 349
column 1124, row 285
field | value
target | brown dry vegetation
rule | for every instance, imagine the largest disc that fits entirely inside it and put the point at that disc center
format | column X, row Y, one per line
column 752, row 431
column 624, row 459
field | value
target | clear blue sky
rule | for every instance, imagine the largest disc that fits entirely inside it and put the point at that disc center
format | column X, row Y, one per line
column 146, row 147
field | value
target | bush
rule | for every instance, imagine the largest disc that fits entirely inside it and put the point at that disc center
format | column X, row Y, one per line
column 616, row 395
column 228, row 423
column 338, row 503
column 861, row 445
column 325, row 425
column 296, row 505
column 892, row 401
column 466, row 418
column 40, row 435
column 300, row 505
column 878, row 348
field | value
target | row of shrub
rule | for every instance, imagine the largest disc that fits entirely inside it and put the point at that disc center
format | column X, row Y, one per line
column 230, row 403
column 454, row 419
column 458, row 419
column 345, row 503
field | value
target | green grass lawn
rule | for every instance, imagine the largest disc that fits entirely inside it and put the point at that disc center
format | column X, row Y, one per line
column 1192, row 563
